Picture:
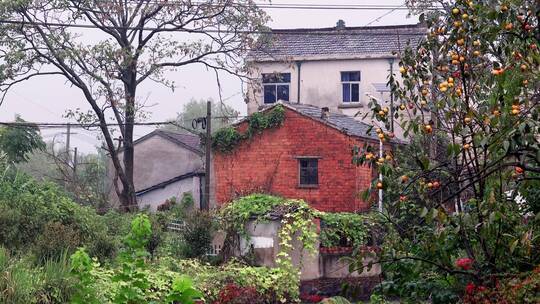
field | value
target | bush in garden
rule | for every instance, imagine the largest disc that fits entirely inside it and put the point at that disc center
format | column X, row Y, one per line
column 469, row 98
column 38, row 215
column 234, row 294
column 272, row 284
column 197, row 234
column 55, row 239
column 23, row 282
column 131, row 280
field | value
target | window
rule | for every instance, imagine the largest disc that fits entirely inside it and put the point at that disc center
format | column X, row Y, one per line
column 309, row 171
column 276, row 87
column 350, row 82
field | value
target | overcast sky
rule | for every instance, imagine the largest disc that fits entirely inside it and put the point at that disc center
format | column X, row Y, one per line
column 46, row 99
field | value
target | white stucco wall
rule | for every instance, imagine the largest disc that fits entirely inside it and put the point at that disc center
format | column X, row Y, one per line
column 157, row 197
column 320, row 83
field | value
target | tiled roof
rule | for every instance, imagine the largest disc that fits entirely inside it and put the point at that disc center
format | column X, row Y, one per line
column 342, row 122
column 188, row 141
column 374, row 41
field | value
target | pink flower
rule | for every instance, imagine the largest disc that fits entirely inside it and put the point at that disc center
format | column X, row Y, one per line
column 464, row 263
column 470, row 288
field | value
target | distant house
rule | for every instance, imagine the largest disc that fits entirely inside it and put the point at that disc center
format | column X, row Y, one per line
column 167, row 165
column 338, row 67
column 309, row 157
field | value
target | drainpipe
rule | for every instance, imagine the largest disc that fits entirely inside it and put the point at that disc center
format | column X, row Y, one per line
column 299, row 65
column 381, row 155
column 391, row 62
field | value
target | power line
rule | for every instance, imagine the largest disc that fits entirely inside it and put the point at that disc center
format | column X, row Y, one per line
column 383, row 15
column 314, row 32
column 295, row 6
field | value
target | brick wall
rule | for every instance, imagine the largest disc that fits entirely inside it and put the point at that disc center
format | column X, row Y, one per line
column 266, row 163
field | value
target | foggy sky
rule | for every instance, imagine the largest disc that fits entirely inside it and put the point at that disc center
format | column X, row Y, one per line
column 46, row 99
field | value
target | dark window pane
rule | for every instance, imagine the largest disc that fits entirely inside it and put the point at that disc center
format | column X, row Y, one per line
column 355, row 92
column 346, row 92
column 350, row 76
column 354, row 76
column 276, row 78
column 283, row 92
column 269, row 93
column 285, row 77
column 309, row 174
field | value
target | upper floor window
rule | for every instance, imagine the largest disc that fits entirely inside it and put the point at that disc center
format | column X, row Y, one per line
column 309, row 171
column 276, row 87
column 350, row 83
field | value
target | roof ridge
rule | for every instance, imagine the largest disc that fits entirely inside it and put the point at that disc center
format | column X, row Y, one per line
column 377, row 27
column 174, row 132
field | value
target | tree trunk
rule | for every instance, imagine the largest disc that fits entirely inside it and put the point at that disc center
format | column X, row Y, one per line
column 129, row 198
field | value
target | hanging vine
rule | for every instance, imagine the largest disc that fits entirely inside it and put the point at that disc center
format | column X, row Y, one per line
column 226, row 139
column 297, row 223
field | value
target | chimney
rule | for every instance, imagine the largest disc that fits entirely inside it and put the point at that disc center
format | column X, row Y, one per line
column 340, row 24
column 325, row 112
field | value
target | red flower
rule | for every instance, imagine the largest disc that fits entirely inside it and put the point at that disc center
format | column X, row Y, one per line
column 464, row 263
column 470, row 288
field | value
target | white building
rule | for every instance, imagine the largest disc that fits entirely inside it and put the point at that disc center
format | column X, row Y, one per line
column 328, row 67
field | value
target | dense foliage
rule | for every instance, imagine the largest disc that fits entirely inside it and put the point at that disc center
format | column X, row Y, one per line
column 226, row 139
column 39, row 217
column 344, row 229
column 296, row 220
column 20, row 140
column 457, row 228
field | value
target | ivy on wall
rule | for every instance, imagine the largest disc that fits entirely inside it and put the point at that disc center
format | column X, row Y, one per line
column 226, row 139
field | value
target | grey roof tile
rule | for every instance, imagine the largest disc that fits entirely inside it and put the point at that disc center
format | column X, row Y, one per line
column 332, row 42
column 342, row 122
column 192, row 141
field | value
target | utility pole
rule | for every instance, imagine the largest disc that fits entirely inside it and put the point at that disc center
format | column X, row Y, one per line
column 208, row 146
column 75, row 164
column 68, row 141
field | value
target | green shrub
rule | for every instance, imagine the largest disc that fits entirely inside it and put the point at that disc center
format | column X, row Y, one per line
column 41, row 217
column 197, row 234
column 55, row 239
column 131, row 279
column 23, row 282
column 273, row 284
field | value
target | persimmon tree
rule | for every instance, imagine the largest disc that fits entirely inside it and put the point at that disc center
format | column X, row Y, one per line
column 460, row 220
column 138, row 42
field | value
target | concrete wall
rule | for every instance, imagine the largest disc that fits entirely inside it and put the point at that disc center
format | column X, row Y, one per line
column 177, row 189
column 265, row 243
column 320, row 83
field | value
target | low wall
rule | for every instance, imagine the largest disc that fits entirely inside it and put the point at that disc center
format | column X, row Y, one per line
column 264, row 242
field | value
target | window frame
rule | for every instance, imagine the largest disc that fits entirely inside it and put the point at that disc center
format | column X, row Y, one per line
column 308, row 158
column 350, row 84
column 273, row 80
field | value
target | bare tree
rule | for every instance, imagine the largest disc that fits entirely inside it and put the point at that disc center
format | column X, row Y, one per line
column 140, row 40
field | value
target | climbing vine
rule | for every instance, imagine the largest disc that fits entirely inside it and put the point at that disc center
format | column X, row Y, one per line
column 226, row 139
column 297, row 223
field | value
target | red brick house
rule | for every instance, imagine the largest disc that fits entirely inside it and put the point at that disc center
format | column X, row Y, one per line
column 308, row 157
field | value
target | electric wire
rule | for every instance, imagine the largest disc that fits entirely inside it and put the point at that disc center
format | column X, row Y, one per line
column 307, row 31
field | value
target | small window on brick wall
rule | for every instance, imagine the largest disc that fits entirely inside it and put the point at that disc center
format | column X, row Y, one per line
column 308, row 171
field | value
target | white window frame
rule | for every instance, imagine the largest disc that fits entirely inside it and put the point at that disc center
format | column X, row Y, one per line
column 275, row 84
column 350, row 83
